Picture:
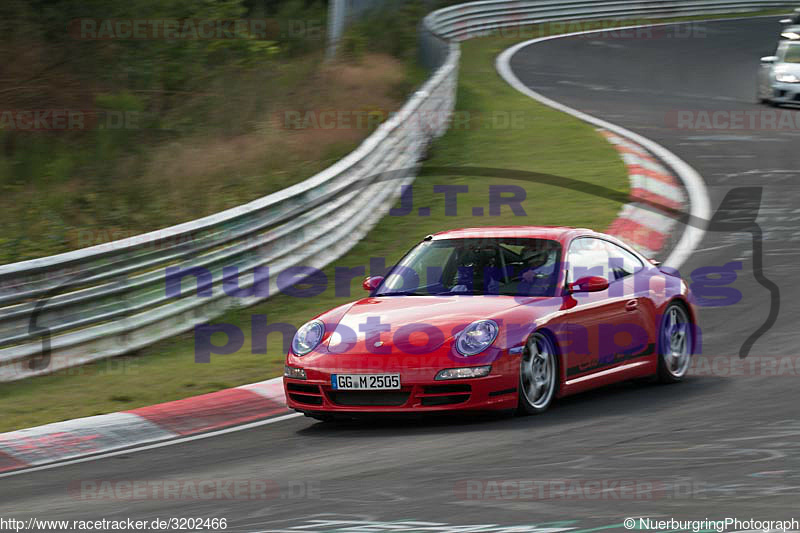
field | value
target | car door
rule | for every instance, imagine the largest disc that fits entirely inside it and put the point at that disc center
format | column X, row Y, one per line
column 602, row 329
column 628, row 281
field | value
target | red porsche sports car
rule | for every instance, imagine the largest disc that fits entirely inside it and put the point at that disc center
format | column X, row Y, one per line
column 494, row 318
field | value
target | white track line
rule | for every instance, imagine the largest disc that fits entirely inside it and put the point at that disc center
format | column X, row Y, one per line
column 700, row 208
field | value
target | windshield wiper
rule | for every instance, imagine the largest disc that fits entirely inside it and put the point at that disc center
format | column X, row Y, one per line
column 469, row 292
column 403, row 293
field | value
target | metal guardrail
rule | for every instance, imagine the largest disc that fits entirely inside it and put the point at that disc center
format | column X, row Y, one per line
column 474, row 19
column 68, row 309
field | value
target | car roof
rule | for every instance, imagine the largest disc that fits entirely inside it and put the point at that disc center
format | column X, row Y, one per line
column 556, row 233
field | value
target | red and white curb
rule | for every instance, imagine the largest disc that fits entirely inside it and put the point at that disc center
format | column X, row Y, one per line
column 104, row 433
column 648, row 221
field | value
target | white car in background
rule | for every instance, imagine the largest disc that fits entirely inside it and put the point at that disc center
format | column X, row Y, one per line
column 779, row 75
column 791, row 30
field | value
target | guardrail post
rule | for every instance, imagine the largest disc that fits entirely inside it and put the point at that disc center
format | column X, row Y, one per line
column 337, row 13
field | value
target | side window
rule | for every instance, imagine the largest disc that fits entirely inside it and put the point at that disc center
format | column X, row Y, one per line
column 622, row 263
column 587, row 257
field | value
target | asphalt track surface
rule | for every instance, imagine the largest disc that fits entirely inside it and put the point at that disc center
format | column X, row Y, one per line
column 713, row 447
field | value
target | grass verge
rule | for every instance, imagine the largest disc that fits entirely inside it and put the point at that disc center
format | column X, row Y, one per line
column 497, row 127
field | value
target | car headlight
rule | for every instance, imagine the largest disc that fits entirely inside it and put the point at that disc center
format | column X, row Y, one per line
column 791, row 35
column 476, row 337
column 308, row 337
column 785, row 77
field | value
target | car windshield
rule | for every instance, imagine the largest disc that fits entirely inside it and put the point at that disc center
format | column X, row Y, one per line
column 502, row 266
column 791, row 53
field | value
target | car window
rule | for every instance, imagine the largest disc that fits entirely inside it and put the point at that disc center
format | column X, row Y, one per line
column 622, row 263
column 508, row 266
column 587, row 257
column 790, row 53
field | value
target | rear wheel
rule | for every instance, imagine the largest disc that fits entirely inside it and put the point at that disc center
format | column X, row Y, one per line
column 538, row 375
column 674, row 344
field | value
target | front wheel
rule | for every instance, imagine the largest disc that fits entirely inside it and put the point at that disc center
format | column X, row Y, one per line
column 674, row 344
column 538, row 375
column 761, row 97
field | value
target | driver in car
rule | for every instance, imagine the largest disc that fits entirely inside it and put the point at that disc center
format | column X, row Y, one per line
column 537, row 275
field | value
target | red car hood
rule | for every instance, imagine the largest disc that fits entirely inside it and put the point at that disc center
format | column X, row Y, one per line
column 443, row 316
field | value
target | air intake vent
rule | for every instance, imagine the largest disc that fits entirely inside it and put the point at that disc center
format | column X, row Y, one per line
column 363, row 398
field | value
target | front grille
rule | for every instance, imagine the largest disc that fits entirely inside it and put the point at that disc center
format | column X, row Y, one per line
column 446, row 394
column 503, row 392
column 304, row 393
column 306, row 399
column 302, row 387
column 371, row 398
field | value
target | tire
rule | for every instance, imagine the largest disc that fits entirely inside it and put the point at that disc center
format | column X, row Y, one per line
column 761, row 99
column 768, row 102
column 538, row 375
column 675, row 336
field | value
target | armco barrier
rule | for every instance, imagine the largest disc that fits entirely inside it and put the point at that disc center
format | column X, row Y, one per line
column 68, row 309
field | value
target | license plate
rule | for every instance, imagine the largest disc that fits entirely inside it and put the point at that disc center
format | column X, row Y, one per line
column 365, row 381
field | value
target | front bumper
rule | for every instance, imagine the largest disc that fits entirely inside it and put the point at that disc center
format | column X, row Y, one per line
column 497, row 391
column 785, row 93
column 489, row 393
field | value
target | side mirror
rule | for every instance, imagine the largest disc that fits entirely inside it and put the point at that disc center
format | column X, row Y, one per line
column 768, row 60
column 590, row 284
column 371, row 283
